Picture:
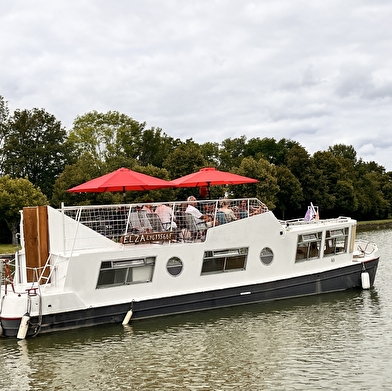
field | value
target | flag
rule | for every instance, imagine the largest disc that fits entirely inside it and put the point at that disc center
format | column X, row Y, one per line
column 311, row 213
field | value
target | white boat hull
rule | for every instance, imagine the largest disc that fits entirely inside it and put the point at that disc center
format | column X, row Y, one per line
column 90, row 279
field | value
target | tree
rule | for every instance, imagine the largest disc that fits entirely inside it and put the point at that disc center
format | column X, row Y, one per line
column 155, row 146
column 211, row 153
column 4, row 126
column 344, row 151
column 35, row 147
column 185, row 159
column 14, row 195
column 290, row 196
column 107, row 136
column 231, row 153
column 369, row 185
column 266, row 189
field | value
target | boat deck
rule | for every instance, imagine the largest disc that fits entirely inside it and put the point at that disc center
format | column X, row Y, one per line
column 126, row 222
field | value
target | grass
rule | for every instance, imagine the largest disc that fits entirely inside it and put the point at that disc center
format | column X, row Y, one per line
column 7, row 248
column 375, row 222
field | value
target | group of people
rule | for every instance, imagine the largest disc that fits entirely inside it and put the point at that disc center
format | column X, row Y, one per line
column 208, row 216
column 224, row 213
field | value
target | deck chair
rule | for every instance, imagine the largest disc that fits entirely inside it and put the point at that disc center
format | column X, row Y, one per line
column 144, row 220
column 196, row 229
column 155, row 222
column 221, row 217
column 134, row 224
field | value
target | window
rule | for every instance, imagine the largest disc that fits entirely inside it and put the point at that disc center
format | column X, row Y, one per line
column 336, row 241
column 125, row 272
column 224, row 260
column 174, row 266
column 266, row 256
column 308, row 246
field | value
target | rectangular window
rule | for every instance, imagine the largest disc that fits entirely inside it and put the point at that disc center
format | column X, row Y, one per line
column 308, row 246
column 125, row 272
column 336, row 242
column 219, row 261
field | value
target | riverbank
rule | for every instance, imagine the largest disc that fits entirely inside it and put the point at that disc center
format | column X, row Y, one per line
column 374, row 224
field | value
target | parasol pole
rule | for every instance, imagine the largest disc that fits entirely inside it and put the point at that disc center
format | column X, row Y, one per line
column 124, row 195
column 209, row 189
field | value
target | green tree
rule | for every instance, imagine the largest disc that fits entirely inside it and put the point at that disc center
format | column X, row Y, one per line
column 211, row 153
column 85, row 169
column 231, row 153
column 344, row 151
column 36, row 147
column 290, row 197
column 369, row 191
column 185, row 159
column 107, row 136
column 4, row 126
column 266, row 189
column 155, row 146
column 14, row 195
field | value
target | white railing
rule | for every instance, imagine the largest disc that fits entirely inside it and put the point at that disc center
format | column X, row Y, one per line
column 116, row 221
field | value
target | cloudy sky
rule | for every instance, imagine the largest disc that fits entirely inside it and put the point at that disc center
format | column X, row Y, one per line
column 316, row 72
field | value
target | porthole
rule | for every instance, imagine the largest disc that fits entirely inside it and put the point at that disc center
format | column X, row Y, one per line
column 174, row 266
column 266, row 256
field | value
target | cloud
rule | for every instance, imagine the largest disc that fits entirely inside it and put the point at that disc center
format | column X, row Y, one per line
column 318, row 73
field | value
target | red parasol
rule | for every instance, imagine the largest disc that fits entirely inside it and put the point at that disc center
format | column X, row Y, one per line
column 123, row 180
column 210, row 176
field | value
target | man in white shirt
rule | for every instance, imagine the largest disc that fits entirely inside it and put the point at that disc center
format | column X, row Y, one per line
column 200, row 218
column 165, row 213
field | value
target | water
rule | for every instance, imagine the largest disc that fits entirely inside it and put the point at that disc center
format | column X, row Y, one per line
column 331, row 342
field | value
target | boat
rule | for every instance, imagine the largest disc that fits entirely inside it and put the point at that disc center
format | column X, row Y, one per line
column 80, row 266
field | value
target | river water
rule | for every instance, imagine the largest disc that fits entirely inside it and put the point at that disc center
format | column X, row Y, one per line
column 331, row 342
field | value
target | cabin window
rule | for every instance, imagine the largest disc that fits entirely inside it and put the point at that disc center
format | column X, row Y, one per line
column 219, row 261
column 125, row 272
column 266, row 256
column 336, row 241
column 174, row 266
column 308, row 246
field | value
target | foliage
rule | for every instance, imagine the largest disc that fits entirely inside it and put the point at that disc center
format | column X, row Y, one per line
column 266, row 189
column 232, row 153
column 290, row 196
column 116, row 140
column 185, row 159
column 35, row 146
column 14, row 195
column 4, row 124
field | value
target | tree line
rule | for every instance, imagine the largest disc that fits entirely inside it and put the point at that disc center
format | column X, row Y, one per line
column 40, row 160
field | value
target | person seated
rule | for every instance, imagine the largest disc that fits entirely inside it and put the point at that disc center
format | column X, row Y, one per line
column 242, row 211
column 165, row 213
column 225, row 208
column 147, row 207
column 199, row 216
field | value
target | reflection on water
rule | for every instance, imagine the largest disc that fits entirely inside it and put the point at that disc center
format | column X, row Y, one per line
column 332, row 342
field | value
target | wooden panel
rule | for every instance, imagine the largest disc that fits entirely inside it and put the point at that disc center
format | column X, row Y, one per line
column 36, row 237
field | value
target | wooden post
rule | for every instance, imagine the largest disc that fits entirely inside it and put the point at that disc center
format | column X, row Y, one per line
column 36, row 240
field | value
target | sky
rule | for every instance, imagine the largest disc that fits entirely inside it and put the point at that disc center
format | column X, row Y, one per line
column 315, row 72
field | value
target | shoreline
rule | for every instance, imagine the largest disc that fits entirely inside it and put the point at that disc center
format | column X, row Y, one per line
column 376, row 224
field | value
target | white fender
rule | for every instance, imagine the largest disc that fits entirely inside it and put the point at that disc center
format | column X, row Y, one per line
column 24, row 326
column 365, row 280
column 128, row 317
